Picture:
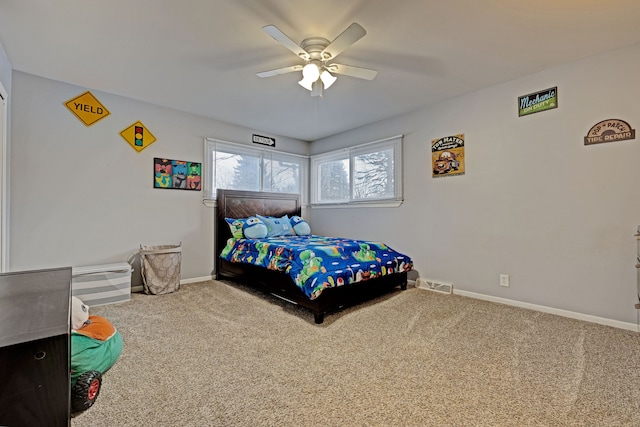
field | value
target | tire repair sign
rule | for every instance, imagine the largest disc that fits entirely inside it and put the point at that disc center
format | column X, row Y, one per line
column 609, row 131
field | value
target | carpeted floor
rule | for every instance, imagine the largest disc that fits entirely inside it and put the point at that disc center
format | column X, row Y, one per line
column 215, row 354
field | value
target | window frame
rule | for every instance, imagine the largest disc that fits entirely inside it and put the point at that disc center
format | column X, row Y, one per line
column 394, row 143
column 316, row 162
column 211, row 145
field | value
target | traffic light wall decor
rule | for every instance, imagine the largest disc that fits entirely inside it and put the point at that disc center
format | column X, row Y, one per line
column 138, row 136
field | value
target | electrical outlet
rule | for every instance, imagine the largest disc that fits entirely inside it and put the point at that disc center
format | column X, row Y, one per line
column 504, row 280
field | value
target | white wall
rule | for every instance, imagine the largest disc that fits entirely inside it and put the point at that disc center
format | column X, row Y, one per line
column 82, row 195
column 535, row 202
column 5, row 70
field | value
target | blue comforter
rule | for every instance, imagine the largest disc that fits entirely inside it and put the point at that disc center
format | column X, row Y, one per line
column 316, row 262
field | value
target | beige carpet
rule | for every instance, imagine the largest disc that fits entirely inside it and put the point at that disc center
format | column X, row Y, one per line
column 214, row 354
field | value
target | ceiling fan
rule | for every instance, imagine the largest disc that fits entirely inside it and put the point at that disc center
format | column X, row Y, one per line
column 318, row 54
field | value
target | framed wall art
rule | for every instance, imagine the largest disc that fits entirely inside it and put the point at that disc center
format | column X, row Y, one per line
column 177, row 174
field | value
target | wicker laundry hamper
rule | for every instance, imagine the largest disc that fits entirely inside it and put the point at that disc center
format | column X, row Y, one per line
column 160, row 268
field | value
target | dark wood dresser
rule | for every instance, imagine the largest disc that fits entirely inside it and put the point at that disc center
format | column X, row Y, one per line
column 35, row 348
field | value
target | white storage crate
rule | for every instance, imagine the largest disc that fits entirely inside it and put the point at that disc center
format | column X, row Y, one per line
column 102, row 284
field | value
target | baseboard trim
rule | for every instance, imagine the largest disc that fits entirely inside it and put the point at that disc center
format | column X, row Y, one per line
column 564, row 313
column 182, row 282
column 196, row 280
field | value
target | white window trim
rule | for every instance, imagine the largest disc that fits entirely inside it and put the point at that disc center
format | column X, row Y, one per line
column 209, row 197
column 350, row 152
column 4, row 180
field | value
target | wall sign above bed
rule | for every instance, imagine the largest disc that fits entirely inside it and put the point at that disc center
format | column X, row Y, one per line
column 264, row 140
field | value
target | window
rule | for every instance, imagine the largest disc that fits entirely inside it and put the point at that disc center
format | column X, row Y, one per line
column 239, row 167
column 332, row 173
column 368, row 173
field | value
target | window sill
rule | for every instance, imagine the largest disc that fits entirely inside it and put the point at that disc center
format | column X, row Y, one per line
column 392, row 204
column 387, row 204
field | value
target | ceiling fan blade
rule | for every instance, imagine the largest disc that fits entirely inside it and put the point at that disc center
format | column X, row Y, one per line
column 348, row 37
column 348, row 70
column 277, row 71
column 282, row 38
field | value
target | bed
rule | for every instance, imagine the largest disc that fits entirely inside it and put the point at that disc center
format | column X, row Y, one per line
column 244, row 204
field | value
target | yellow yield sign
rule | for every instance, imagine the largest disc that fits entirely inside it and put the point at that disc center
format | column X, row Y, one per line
column 87, row 108
column 138, row 136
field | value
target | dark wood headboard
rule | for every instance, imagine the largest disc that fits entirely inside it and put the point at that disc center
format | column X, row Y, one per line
column 243, row 204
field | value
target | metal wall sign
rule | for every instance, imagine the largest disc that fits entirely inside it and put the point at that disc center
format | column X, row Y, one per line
column 138, row 136
column 447, row 156
column 264, row 140
column 538, row 101
column 609, row 131
column 87, row 108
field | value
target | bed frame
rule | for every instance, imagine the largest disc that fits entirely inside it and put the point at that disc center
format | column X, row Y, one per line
column 242, row 204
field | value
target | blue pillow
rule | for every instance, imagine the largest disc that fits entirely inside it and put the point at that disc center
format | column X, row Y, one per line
column 254, row 228
column 277, row 226
column 300, row 226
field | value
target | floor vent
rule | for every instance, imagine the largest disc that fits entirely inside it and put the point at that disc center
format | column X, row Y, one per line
column 433, row 285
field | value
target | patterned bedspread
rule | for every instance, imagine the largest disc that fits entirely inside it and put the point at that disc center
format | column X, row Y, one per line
column 316, row 262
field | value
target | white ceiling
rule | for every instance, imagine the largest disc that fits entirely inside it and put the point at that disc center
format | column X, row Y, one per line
column 202, row 56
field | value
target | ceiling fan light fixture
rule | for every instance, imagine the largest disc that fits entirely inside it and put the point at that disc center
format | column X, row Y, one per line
column 311, row 72
column 327, row 79
column 307, row 84
column 317, row 73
